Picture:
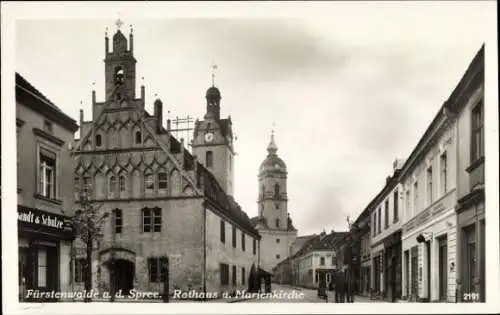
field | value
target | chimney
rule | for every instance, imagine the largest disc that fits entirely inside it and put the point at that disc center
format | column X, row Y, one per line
column 398, row 164
column 158, row 112
column 81, row 118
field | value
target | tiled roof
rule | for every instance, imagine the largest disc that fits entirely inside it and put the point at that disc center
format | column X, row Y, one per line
column 217, row 195
column 29, row 96
column 320, row 242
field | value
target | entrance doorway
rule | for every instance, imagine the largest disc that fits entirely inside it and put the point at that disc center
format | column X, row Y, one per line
column 443, row 268
column 414, row 273
column 123, row 276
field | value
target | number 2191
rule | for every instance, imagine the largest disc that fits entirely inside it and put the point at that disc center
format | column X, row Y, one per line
column 472, row 297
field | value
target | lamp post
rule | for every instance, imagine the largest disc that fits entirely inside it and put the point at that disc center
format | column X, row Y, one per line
column 87, row 225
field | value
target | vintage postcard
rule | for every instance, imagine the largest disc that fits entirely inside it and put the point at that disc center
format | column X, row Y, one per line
column 226, row 157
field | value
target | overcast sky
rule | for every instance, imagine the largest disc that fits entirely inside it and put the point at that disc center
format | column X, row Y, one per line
column 349, row 90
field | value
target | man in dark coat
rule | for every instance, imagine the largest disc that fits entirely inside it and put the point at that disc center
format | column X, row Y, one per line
column 340, row 287
column 349, row 283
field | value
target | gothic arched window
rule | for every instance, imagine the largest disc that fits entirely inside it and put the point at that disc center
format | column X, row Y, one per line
column 209, row 158
column 122, row 183
column 112, row 187
column 162, row 180
column 276, row 190
column 138, row 137
column 149, row 183
column 98, row 140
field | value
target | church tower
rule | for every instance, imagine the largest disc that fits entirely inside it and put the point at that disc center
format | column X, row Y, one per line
column 273, row 222
column 273, row 201
column 213, row 141
column 120, row 68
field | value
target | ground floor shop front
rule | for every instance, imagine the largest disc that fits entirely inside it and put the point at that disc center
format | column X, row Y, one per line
column 386, row 267
column 44, row 255
column 429, row 259
column 471, row 248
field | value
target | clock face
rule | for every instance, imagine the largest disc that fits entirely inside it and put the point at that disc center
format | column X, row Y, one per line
column 209, row 137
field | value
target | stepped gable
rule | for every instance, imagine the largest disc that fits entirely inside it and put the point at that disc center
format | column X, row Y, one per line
column 214, row 192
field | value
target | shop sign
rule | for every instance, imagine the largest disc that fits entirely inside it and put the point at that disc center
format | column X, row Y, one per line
column 52, row 221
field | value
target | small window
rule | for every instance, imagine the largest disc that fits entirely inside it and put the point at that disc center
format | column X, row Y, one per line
column 209, row 158
column 243, row 275
column 429, row 185
column 118, row 220
column 138, row 137
column 277, row 223
column 80, row 270
column 234, row 236
column 386, row 213
column 98, row 140
column 243, row 241
column 122, row 183
column 112, row 186
column 149, row 184
column 277, row 240
column 322, row 261
column 47, row 175
column 276, row 191
column 444, row 173
column 234, row 275
column 277, row 256
column 157, row 269
column 254, row 246
column 151, row 220
column 222, row 231
column 47, row 126
column 162, row 180
column 224, row 274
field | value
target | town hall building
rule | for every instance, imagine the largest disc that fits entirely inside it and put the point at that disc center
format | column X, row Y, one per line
column 172, row 214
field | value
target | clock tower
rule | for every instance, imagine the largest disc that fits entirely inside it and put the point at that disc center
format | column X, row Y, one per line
column 213, row 141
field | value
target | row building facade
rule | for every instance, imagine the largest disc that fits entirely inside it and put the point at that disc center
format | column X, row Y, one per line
column 45, row 199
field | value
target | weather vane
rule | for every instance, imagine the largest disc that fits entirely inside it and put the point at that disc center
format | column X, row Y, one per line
column 214, row 66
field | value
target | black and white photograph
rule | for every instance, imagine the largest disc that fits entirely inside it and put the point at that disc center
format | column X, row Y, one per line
column 180, row 157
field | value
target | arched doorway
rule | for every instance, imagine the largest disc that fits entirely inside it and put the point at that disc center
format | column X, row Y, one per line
column 122, row 275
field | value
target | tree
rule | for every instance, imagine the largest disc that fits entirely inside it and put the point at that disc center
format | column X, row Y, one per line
column 87, row 224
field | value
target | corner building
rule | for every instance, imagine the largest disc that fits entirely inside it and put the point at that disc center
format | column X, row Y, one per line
column 273, row 222
column 45, row 200
column 171, row 211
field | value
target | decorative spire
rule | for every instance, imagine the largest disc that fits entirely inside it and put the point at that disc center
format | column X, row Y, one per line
column 272, row 147
column 119, row 23
column 214, row 66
